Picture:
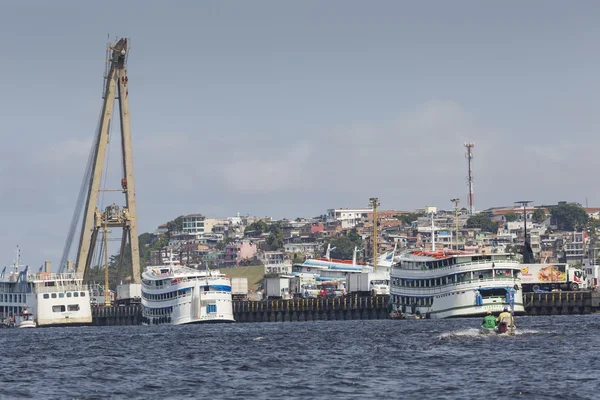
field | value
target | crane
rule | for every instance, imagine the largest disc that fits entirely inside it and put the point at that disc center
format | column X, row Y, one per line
column 94, row 219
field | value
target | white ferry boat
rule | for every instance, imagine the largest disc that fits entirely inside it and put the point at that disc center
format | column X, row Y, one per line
column 454, row 284
column 47, row 299
column 174, row 294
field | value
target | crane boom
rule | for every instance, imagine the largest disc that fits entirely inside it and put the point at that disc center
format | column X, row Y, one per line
column 94, row 219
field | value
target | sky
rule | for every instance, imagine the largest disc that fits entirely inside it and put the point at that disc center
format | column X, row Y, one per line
column 286, row 109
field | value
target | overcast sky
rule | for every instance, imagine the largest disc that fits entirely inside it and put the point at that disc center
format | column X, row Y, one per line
column 287, row 109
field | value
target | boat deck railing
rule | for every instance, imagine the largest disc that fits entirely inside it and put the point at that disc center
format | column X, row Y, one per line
column 500, row 264
column 505, row 280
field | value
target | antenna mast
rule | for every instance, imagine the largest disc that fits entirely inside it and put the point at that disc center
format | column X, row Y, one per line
column 471, row 198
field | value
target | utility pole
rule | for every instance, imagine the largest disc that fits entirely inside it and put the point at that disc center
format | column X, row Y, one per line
column 471, row 198
column 126, row 217
column 374, row 202
column 527, row 252
column 456, row 201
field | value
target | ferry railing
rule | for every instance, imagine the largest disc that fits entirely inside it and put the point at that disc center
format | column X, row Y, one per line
column 62, row 288
column 444, row 288
column 497, row 264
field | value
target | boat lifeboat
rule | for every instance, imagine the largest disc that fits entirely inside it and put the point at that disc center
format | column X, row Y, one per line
column 25, row 319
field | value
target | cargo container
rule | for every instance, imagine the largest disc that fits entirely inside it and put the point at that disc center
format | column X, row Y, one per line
column 128, row 294
column 239, row 289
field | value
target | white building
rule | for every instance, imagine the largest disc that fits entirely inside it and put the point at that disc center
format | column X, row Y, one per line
column 276, row 262
column 197, row 225
column 348, row 218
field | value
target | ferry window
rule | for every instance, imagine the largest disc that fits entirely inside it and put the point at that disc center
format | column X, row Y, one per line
column 76, row 294
column 206, row 288
column 69, row 294
column 73, row 307
column 46, row 296
column 53, row 295
column 61, row 295
column 82, row 294
column 58, row 308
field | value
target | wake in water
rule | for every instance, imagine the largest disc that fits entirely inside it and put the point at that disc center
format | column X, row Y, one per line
column 476, row 333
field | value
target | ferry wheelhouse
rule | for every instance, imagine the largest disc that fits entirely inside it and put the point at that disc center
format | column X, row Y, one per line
column 454, row 284
column 174, row 294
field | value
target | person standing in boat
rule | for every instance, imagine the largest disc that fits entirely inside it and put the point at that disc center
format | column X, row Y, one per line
column 506, row 316
column 489, row 321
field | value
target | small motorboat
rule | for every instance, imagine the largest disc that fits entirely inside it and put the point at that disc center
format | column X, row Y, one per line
column 501, row 329
column 25, row 319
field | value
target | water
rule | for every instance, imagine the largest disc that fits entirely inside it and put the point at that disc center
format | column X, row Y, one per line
column 550, row 358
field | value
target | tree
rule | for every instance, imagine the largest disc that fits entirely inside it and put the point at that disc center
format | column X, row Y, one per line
column 408, row 219
column 539, row 216
column 511, row 217
column 569, row 217
column 175, row 226
column 275, row 238
column 482, row 221
column 222, row 243
column 354, row 236
column 256, row 228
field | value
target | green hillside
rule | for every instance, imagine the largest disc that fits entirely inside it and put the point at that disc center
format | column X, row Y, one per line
column 254, row 274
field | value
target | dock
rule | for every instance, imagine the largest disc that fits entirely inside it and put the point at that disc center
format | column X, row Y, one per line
column 117, row 316
column 298, row 310
column 561, row 303
column 351, row 308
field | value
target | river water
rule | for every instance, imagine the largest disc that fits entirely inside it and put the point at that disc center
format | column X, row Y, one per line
column 549, row 358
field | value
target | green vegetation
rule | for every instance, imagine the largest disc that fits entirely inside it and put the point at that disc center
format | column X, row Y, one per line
column 569, row 217
column 539, row 216
column 175, row 226
column 275, row 238
column 511, row 217
column 408, row 219
column 482, row 221
column 344, row 246
column 254, row 274
column 256, row 228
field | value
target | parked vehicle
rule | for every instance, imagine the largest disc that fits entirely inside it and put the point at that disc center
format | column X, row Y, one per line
column 369, row 283
column 129, row 294
column 239, row 289
column 536, row 277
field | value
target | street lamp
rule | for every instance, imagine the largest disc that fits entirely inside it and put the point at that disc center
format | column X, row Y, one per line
column 456, row 201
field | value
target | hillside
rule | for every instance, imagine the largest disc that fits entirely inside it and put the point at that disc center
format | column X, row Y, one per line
column 254, row 274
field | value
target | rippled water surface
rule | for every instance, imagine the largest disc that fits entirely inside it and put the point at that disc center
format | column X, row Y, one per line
column 550, row 357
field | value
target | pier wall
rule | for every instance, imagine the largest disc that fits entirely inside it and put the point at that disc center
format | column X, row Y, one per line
column 561, row 303
column 117, row 316
column 298, row 310
column 350, row 308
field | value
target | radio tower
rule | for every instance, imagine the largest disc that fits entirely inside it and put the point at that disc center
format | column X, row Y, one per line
column 471, row 198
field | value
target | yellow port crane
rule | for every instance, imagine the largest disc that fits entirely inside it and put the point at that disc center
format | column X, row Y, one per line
column 125, row 217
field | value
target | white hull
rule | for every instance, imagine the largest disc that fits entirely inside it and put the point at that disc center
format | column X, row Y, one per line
column 454, row 289
column 181, row 295
column 54, row 299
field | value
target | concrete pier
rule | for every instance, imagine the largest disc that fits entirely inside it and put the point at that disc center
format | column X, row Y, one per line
column 351, row 308
column 298, row 310
column 561, row 303
column 117, row 316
